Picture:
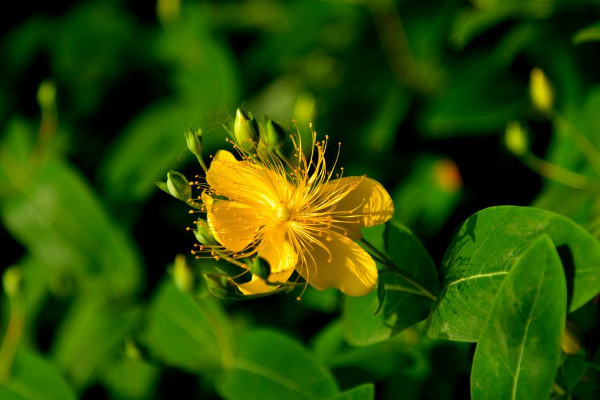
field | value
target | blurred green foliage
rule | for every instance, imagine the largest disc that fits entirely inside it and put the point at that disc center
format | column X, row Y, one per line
column 95, row 98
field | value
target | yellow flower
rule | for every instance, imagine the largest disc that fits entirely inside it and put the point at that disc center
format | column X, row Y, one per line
column 295, row 217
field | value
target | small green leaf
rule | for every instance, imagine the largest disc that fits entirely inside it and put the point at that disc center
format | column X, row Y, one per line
column 189, row 333
column 271, row 366
column 33, row 377
column 482, row 253
column 518, row 352
column 129, row 378
column 362, row 392
column 590, row 33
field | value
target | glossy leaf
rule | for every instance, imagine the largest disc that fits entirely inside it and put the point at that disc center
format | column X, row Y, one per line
column 271, row 366
column 518, row 351
column 189, row 333
column 482, row 253
column 33, row 377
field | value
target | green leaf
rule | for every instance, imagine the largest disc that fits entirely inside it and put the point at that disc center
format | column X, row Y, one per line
column 203, row 71
column 194, row 334
column 32, row 378
column 403, row 304
column 92, row 320
column 518, row 352
column 471, row 22
column 82, row 51
column 404, row 352
column 325, row 301
column 329, row 341
column 590, row 33
column 273, row 366
column 410, row 256
column 130, row 378
column 362, row 392
column 407, row 352
column 380, row 133
column 59, row 218
column 361, row 326
column 571, row 371
column 482, row 253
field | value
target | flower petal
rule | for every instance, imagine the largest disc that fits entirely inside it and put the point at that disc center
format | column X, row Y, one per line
column 244, row 181
column 234, row 224
column 256, row 285
column 279, row 253
column 364, row 202
column 281, row 257
column 336, row 261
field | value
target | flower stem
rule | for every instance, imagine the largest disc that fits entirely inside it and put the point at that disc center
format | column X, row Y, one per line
column 11, row 339
column 393, row 268
column 585, row 145
column 202, row 163
column 560, row 174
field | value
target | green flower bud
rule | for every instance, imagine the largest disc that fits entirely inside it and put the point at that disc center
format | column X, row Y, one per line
column 46, row 95
column 221, row 286
column 11, row 281
column 540, row 91
column 178, row 186
column 274, row 134
column 168, row 10
column 245, row 131
column 182, row 274
column 305, row 108
column 163, row 186
column 572, row 340
column 515, row 138
column 194, row 142
column 203, row 233
column 132, row 351
column 259, row 267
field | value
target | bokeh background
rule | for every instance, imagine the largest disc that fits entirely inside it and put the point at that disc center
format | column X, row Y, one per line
column 95, row 97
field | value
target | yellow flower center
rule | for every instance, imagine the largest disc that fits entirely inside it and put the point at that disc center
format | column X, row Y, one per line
column 282, row 213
